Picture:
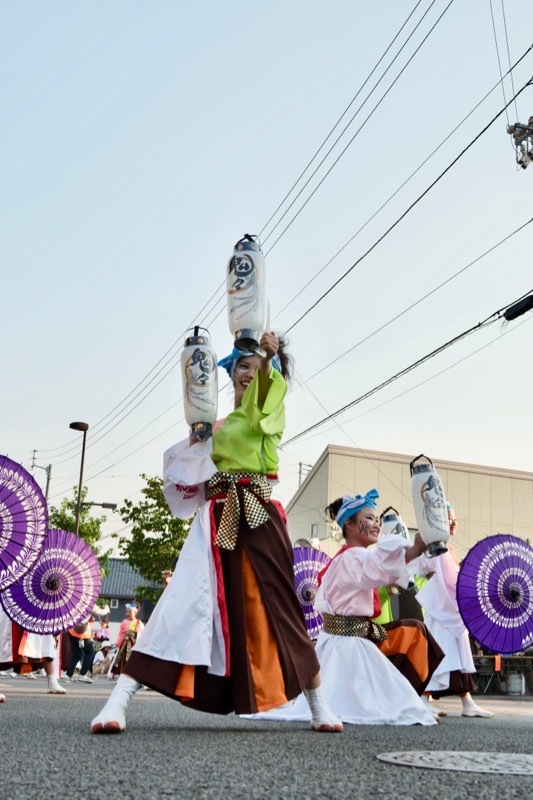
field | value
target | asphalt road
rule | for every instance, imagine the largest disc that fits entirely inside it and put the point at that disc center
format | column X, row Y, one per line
column 47, row 751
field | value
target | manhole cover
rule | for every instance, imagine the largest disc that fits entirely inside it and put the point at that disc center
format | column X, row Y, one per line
column 500, row 763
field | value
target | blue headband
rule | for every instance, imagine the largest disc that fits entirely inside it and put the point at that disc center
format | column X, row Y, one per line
column 230, row 362
column 351, row 505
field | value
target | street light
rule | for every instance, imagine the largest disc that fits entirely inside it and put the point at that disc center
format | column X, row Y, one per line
column 112, row 506
column 80, row 426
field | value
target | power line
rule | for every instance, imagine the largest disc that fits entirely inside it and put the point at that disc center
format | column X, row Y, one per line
column 75, row 449
column 498, row 57
column 343, row 115
column 420, row 300
column 362, row 341
column 364, row 453
column 382, row 327
column 401, row 186
column 351, row 140
column 431, row 377
column 488, row 321
column 386, row 402
column 358, row 344
column 408, row 210
column 509, row 55
column 96, row 475
column 170, row 349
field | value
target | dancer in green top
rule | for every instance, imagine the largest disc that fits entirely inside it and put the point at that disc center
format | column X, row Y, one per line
column 228, row 633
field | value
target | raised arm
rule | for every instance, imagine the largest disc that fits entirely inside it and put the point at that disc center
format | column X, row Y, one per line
column 270, row 344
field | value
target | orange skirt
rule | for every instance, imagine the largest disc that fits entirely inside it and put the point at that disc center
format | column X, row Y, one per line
column 413, row 651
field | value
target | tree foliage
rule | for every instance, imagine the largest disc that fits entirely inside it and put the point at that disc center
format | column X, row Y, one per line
column 90, row 530
column 155, row 539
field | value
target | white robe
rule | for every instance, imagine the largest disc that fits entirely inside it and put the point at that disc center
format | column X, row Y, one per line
column 361, row 685
column 438, row 599
column 185, row 626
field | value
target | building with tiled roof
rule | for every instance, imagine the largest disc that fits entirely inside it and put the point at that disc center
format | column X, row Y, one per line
column 119, row 586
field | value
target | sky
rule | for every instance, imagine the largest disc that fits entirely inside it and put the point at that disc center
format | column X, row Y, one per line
column 140, row 141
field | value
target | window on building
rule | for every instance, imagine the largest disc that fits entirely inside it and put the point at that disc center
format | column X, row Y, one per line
column 113, row 604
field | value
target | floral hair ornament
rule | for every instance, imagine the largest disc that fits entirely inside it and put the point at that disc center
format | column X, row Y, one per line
column 230, row 362
column 352, row 505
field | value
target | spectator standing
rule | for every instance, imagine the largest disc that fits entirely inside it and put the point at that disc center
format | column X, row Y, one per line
column 129, row 629
column 81, row 645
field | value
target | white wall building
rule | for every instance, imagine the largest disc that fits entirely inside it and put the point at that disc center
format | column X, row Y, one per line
column 487, row 500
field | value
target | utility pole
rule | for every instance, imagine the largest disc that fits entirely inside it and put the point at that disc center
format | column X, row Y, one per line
column 48, row 471
column 301, row 474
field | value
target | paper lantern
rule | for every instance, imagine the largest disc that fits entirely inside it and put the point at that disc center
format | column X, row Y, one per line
column 200, row 384
column 392, row 523
column 431, row 509
column 246, row 292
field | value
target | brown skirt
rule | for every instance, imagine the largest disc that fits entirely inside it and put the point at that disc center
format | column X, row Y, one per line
column 272, row 658
column 413, row 651
column 460, row 683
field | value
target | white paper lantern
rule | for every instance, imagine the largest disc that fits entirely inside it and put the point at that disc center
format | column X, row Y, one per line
column 246, row 292
column 431, row 509
column 392, row 523
column 200, row 384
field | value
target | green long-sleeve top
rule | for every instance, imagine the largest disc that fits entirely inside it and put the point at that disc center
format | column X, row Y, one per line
column 247, row 440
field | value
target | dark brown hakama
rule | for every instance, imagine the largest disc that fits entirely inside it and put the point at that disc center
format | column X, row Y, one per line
column 460, row 683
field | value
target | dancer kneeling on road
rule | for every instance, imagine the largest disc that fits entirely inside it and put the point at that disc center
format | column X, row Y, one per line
column 372, row 674
column 228, row 633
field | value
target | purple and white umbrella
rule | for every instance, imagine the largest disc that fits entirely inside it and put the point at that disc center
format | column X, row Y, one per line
column 23, row 521
column 308, row 562
column 60, row 590
column 495, row 593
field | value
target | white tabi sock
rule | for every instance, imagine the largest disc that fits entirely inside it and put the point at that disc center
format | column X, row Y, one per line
column 471, row 709
column 322, row 719
column 112, row 718
column 53, row 686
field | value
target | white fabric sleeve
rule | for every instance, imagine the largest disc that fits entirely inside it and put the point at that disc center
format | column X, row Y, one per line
column 379, row 566
column 186, row 468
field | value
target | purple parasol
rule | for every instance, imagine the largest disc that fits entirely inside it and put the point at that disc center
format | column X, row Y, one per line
column 23, row 521
column 60, row 590
column 495, row 593
column 308, row 562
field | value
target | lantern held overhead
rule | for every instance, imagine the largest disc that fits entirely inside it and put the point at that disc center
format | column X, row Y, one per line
column 246, row 293
column 200, row 384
